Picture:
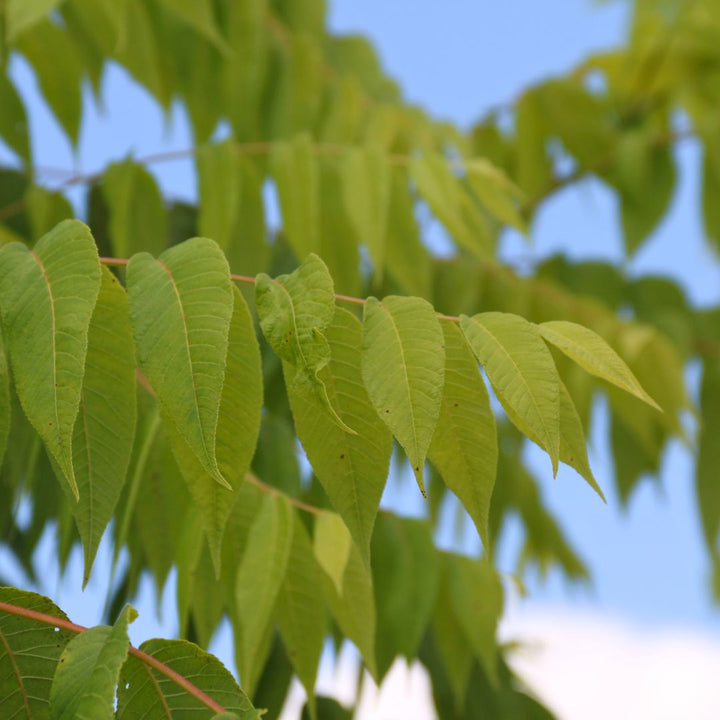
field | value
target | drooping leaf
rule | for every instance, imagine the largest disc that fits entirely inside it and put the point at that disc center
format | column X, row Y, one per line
column 23, row 14
column 366, row 193
column 521, row 370
column 354, row 607
column 464, row 446
column 53, row 56
column 259, row 578
column 198, row 14
column 477, row 597
column 300, row 616
column 142, row 687
column 295, row 310
column 13, row 120
column 708, row 489
column 47, row 297
column 496, row 192
column 88, row 670
column 105, row 425
column 533, row 166
column 406, row 574
column 403, row 368
column 29, row 653
column 46, row 209
column 440, row 188
column 593, row 354
column 180, row 306
column 137, row 210
column 237, row 430
column 294, row 169
column 5, row 408
column 332, row 544
column 351, row 468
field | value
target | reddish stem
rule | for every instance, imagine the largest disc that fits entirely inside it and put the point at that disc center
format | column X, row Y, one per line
column 143, row 657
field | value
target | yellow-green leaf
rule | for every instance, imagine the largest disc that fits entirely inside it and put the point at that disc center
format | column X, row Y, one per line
column 464, row 447
column 137, row 209
column 105, row 425
column 180, row 306
column 5, row 412
column 300, row 615
column 294, row 168
column 593, row 354
column 259, row 578
column 47, row 297
column 237, row 430
column 295, row 311
column 354, row 607
column 22, row 14
column 199, row 15
column 403, row 368
column 522, row 372
column 351, row 467
column 366, row 193
column 332, row 543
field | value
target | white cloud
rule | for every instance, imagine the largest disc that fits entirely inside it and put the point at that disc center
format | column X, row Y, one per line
column 590, row 666
column 583, row 665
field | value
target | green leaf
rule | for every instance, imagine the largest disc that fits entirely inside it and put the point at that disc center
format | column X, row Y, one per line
column 522, row 372
column 407, row 259
column 711, row 188
column 592, row 353
column 46, row 209
column 13, row 120
column 86, row 677
column 295, row 310
column 441, row 189
column 47, row 297
column 137, row 209
column 259, row 579
column 51, row 52
column 366, row 193
column 142, row 686
column 354, row 607
column 497, row 193
column 464, row 447
column 708, row 489
column 300, row 615
column 403, row 367
column 237, row 430
column 477, row 597
column 105, row 425
column 181, row 305
column 5, row 412
column 199, row 15
column 294, row 168
column 406, row 574
column 351, row 468
column 533, row 167
column 29, row 653
column 23, row 14
column 332, row 544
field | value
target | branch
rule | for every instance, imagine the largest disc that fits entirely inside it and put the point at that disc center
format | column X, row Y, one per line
column 143, row 657
column 121, row 262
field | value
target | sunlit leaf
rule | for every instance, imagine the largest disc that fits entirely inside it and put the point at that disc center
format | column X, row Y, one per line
column 464, row 446
column 593, row 354
column 351, row 467
column 22, row 14
column 105, row 425
column 47, row 297
column 332, row 544
column 521, row 370
column 403, row 368
column 180, row 306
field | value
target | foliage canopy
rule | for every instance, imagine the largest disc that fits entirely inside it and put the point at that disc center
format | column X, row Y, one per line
column 143, row 382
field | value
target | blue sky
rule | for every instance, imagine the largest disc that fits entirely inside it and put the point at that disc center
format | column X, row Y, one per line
column 457, row 59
